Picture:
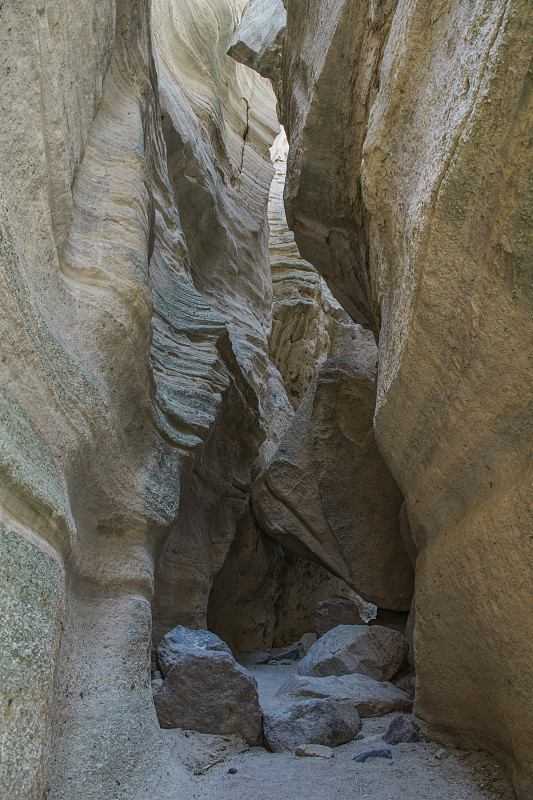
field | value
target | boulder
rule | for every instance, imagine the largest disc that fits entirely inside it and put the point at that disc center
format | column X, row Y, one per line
column 207, row 691
column 305, row 642
column 180, row 640
column 336, row 611
column 316, row 721
column 402, row 729
column 373, row 651
column 371, row 698
column 259, row 36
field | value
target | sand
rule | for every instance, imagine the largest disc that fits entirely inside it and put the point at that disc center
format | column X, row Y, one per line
column 418, row 771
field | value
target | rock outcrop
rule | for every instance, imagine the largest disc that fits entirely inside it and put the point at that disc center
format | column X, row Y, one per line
column 327, row 493
column 418, row 214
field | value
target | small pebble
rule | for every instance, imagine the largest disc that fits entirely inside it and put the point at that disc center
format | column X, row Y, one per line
column 379, row 752
column 232, row 771
column 359, row 737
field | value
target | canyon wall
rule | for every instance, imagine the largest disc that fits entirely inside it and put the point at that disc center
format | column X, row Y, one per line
column 160, row 354
column 409, row 189
column 136, row 307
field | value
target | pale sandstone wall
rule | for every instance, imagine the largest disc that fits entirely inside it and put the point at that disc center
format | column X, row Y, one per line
column 409, row 188
column 121, row 357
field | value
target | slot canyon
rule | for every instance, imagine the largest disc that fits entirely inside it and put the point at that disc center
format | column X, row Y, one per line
column 266, row 399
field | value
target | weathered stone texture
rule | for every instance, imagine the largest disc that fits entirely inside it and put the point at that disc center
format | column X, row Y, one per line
column 371, row 698
column 369, row 650
column 207, row 691
column 136, row 298
column 418, row 214
column 327, row 493
column 311, row 721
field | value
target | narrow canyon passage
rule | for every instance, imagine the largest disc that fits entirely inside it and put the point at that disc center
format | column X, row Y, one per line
column 265, row 399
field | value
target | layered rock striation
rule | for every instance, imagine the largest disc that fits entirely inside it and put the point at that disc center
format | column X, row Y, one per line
column 136, row 307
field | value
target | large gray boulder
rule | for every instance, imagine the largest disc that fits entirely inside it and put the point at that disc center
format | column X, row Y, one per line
column 180, row 640
column 373, row 651
column 313, row 721
column 207, row 691
column 335, row 611
column 371, row 698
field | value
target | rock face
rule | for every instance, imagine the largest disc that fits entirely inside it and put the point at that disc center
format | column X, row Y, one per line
column 335, row 611
column 373, row 650
column 418, row 215
column 371, row 698
column 311, row 722
column 348, row 521
column 265, row 596
column 136, row 298
column 327, row 493
column 207, row 691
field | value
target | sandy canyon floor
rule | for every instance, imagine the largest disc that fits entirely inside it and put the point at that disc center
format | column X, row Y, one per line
column 418, row 771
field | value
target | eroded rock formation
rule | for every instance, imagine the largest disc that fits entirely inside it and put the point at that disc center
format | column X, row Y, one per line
column 327, row 493
column 408, row 187
column 136, row 307
column 155, row 360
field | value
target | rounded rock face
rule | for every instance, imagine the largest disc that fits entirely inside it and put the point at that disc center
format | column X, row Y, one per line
column 207, row 691
column 314, row 721
column 374, row 651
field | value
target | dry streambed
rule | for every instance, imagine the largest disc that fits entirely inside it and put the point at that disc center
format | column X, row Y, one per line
column 226, row 767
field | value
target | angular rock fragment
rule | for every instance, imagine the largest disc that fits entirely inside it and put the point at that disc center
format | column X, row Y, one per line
column 335, row 611
column 316, row 721
column 207, row 691
column 181, row 639
column 378, row 752
column 259, row 36
column 371, row 698
column 373, row 651
column 305, row 642
column 314, row 751
column 402, row 729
